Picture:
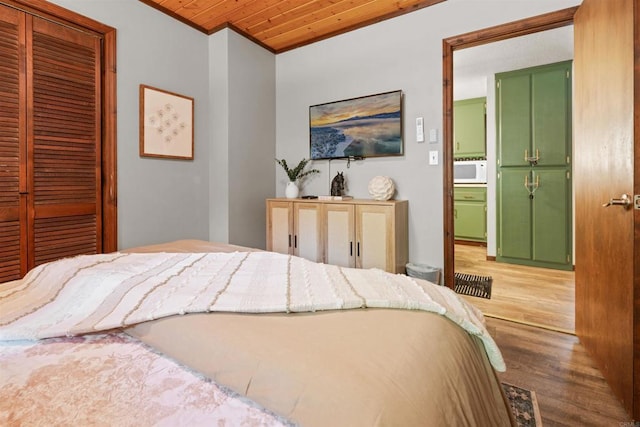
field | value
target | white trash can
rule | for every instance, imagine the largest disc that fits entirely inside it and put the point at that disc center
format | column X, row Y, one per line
column 423, row 271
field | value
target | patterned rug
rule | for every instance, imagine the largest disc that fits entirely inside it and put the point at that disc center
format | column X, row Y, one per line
column 523, row 405
column 472, row 285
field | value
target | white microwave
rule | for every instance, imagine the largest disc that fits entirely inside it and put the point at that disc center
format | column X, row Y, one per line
column 470, row 172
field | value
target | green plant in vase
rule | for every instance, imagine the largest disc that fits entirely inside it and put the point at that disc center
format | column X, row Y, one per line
column 295, row 174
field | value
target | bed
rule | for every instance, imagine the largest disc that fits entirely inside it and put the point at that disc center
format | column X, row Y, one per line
column 199, row 333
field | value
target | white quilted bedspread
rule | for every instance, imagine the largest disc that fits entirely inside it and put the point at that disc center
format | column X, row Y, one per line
column 101, row 292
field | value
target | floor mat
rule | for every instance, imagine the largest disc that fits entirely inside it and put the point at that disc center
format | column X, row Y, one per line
column 472, row 285
column 524, row 405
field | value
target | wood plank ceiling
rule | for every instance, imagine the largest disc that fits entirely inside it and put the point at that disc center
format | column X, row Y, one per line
column 281, row 25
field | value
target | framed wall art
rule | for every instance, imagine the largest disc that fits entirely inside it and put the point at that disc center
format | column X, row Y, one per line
column 166, row 124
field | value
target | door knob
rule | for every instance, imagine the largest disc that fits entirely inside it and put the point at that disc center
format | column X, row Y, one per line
column 624, row 201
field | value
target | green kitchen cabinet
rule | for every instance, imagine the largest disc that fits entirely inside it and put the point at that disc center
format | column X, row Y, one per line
column 470, row 213
column 534, row 211
column 469, row 128
column 533, row 118
column 533, row 111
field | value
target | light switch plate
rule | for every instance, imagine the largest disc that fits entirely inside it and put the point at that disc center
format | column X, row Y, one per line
column 433, row 157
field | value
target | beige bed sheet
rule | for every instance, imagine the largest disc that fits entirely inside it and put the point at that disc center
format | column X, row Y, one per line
column 365, row 367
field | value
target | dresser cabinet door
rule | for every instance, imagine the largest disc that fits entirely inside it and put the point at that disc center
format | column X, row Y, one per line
column 339, row 234
column 307, row 235
column 279, row 226
column 374, row 237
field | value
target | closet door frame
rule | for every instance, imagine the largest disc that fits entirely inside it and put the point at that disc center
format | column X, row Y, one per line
column 107, row 34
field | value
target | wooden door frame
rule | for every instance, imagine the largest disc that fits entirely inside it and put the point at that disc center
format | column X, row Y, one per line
column 59, row 14
column 522, row 27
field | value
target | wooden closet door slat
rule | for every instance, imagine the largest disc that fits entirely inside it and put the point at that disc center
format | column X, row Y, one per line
column 12, row 146
column 65, row 142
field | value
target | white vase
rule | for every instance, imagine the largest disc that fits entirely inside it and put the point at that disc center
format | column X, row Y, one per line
column 292, row 190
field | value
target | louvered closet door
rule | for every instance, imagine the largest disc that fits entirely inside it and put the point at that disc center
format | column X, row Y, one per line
column 64, row 142
column 12, row 149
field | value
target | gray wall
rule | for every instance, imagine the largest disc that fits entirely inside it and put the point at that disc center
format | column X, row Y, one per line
column 402, row 53
column 243, row 99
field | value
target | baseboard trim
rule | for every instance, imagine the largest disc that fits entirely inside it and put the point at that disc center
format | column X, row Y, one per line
column 470, row 243
column 532, row 324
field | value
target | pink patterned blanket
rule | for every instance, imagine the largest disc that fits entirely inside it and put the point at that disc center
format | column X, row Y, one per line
column 112, row 380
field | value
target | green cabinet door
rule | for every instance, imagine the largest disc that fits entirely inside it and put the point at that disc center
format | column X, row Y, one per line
column 470, row 221
column 551, row 206
column 551, row 115
column 514, row 214
column 469, row 128
column 513, row 112
column 470, row 213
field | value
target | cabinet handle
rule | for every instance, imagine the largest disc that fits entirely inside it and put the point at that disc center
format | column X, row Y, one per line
column 350, row 248
column 295, row 241
column 289, row 240
column 358, row 250
column 532, row 160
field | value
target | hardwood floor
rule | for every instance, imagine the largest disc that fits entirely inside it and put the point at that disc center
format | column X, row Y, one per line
column 531, row 316
column 536, row 296
column 570, row 389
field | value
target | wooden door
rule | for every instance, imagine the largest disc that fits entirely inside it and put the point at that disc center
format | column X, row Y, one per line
column 13, row 185
column 339, row 234
column 64, row 141
column 607, row 238
column 279, row 226
column 307, row 228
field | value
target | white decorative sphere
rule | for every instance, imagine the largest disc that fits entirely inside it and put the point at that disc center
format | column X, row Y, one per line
column 381, row 188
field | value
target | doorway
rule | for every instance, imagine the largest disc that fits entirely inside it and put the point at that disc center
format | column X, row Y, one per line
column 504, row 33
